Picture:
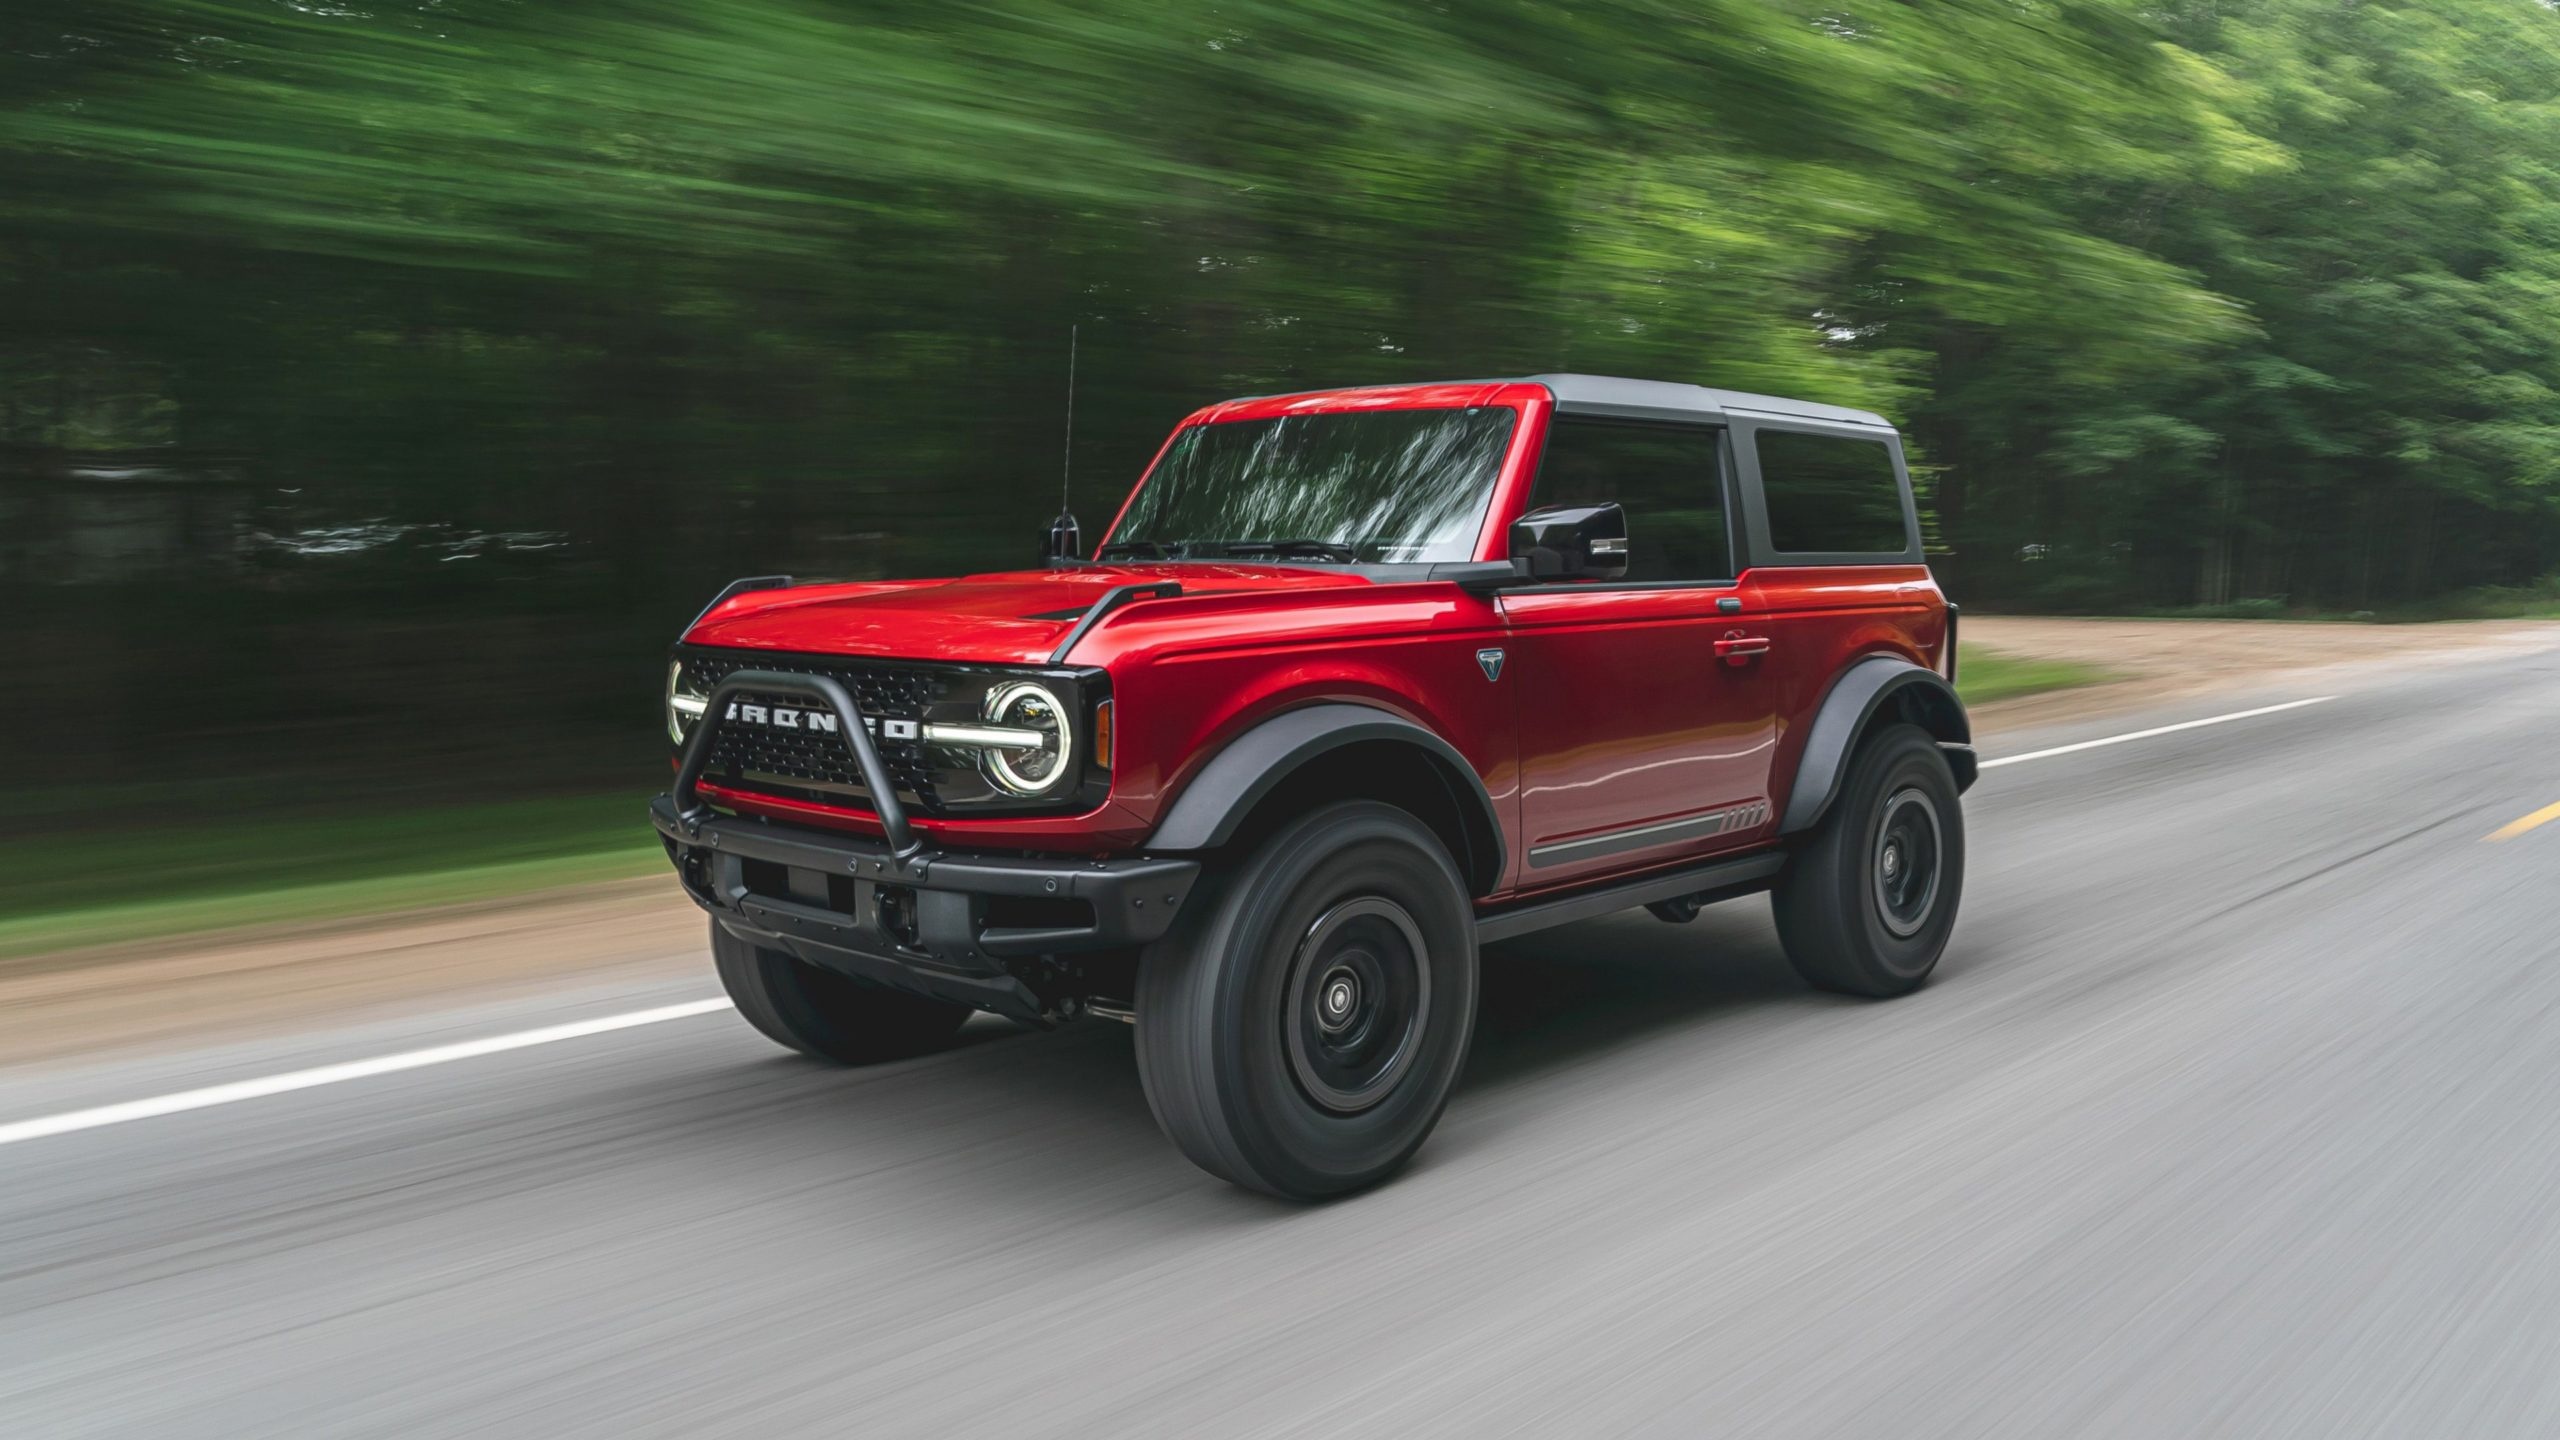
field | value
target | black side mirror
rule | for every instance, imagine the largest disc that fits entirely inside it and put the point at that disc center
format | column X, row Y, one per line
column 1066, row 542
column 1572, row 542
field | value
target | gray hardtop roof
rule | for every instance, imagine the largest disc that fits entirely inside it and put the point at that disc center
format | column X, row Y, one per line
column 1670, row 400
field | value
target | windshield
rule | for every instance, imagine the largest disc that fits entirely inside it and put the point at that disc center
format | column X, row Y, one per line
column 1383, row 486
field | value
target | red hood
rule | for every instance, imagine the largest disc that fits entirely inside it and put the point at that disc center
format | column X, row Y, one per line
column 1014, row 618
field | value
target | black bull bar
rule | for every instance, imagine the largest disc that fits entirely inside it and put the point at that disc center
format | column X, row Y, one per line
column 896, row 912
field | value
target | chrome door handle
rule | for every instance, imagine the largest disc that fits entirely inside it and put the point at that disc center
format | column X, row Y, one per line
column 1739, row 649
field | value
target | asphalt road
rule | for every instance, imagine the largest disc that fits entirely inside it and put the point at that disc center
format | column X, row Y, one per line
column 2234, row 1110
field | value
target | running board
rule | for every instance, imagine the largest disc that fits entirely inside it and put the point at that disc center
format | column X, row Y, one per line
column 1716, row 880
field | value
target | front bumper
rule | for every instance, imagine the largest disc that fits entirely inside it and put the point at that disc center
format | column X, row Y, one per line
column 929, row 923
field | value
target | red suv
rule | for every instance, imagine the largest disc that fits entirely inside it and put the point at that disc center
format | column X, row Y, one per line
column 1357, row 681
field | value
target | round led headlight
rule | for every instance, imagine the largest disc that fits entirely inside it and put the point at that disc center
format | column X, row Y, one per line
column 683, row 707
column 1029, row 707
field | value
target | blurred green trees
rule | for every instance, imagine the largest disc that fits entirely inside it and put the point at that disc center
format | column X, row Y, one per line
column 482, row 318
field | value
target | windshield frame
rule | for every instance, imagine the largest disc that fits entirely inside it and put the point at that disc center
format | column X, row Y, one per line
column 1527, row 400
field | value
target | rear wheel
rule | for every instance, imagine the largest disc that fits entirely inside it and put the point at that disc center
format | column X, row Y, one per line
column 1865, row 907
column 1300, row 1031
column 827, row 1015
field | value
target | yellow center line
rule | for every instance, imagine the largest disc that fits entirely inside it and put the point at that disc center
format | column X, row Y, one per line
column 2512, row 829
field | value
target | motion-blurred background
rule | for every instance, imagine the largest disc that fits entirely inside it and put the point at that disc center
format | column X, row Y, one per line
column 382, row 381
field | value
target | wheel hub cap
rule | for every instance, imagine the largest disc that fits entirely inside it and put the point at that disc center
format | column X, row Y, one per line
column 1908, row 844
column 1359, row 994
column 1340, row 1002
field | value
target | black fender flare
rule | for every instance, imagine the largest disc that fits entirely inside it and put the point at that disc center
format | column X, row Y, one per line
column 1866, row 687
column 1215, row 804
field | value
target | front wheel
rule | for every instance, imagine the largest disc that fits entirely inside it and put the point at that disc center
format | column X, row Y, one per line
column 1300, row 1031
column 1865, row 907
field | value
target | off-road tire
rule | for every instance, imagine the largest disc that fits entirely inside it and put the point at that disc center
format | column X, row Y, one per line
column 1251, row 1066
column 826, row 1015
column 1852, row 917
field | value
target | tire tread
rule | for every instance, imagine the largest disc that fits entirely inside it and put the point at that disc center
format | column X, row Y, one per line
column 1191, row 1014
column 1820, row 901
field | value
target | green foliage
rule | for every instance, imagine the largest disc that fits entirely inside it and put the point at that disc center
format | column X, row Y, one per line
column 1288, row 188
column 2182, row 301
column 2387, row 427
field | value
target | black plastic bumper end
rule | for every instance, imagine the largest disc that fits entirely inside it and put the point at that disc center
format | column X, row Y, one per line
column 934, row 923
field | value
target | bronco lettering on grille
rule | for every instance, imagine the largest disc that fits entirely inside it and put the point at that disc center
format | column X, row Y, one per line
column 822, row 722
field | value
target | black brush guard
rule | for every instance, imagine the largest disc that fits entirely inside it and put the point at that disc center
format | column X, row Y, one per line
column 896, row 913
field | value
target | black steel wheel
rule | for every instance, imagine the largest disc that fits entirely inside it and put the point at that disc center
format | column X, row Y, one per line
column 1867, row 902
column 1359, row 999
column 1300, row 1028
column 826, row 1015
column 1908, row 847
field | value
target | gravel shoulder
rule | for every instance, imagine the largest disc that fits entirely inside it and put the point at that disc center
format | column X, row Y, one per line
column 2162, row 661
column 186, row 991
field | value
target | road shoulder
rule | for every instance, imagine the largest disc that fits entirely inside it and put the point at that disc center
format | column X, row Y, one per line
column 2163, row 662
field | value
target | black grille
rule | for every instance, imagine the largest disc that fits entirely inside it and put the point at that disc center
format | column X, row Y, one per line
column 807, row 766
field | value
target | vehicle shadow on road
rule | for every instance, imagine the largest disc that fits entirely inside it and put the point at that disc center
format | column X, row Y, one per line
column 1062, row 1114
column 1554, row 998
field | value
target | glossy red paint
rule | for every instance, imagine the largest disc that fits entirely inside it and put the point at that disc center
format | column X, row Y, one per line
column 1016, row 618
column 1627, row 720
column 1820, row 618
column 1189, row 675
column 1519, row 474
column 1435, row 395
column 1613, row 709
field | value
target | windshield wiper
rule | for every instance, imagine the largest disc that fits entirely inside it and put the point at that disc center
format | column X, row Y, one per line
column 1301, row 549
column 1138, row 550
column 1154, row 552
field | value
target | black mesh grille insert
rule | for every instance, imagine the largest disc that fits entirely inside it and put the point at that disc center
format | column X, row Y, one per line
column 804, row 765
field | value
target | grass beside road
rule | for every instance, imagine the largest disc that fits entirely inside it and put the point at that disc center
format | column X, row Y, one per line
column 97, row 887
column 1983, row 676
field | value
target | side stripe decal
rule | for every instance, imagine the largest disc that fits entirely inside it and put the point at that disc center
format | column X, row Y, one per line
column 1694, row 827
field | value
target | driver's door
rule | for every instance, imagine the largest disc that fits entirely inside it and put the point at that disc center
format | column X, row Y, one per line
column 1639, row 743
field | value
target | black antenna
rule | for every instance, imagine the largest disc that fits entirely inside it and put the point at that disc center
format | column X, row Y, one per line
column 1065, row 540
column 1067, row 470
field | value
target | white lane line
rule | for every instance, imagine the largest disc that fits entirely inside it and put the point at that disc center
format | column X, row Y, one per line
column 210, row 1095
column 2159, row 730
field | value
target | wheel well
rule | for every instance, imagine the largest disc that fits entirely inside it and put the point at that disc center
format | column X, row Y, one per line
column 1395, row 773
column 1875, row 691
column 1926, row 706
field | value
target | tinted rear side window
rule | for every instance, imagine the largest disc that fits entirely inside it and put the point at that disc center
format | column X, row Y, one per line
column 1669, row 478
column 1831, row 495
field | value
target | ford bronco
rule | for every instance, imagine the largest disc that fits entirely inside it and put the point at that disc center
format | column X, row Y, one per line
column 1355, row 682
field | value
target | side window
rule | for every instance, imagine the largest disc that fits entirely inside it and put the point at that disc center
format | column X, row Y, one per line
column 1831, row 495
column 1669, row 479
